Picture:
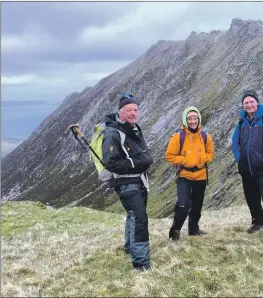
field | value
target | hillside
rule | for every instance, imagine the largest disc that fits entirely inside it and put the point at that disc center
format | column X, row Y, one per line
column 77, row 252
column 208, row 70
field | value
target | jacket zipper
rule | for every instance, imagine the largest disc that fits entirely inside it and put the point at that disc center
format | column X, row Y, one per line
column 248, row 145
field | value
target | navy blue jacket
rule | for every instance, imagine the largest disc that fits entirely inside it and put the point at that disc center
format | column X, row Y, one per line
column 247, row 143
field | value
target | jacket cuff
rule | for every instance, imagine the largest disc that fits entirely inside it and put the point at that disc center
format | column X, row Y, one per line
column 182, row 160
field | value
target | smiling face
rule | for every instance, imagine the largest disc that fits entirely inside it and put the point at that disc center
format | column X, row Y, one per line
column 192, row 121
column 250, row 105
column 129, row 113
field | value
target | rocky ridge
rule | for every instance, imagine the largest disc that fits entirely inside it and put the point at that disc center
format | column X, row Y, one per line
column 208, row 70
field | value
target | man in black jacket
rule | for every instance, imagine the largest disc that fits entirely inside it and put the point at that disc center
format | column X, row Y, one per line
column 129, row 163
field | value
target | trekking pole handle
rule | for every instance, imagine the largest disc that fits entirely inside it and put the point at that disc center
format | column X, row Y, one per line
column 75, row 130
column 78, row 131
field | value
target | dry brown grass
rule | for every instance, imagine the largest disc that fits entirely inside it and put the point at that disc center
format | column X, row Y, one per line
column 78, row 252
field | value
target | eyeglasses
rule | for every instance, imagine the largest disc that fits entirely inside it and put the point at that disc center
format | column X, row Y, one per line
column 127, row 95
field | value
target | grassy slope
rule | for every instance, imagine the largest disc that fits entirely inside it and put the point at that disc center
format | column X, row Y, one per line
column 78, row 252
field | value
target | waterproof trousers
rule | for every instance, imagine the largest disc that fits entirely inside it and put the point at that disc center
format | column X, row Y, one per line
column 253, row 190
column 134, row 197
column 190, row 200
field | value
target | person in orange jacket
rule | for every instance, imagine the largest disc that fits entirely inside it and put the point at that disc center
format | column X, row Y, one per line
column 191, row 159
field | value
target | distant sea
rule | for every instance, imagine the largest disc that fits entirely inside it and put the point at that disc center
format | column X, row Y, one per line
column 20, row 119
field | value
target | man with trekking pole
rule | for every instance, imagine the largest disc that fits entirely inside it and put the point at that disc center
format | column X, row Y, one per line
column 129, row 161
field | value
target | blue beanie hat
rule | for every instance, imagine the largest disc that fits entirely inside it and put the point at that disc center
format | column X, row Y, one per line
column 126, row 99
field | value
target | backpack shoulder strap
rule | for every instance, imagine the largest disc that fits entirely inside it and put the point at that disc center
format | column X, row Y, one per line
column 182, row 139
column 204, row 136
column 123, row 137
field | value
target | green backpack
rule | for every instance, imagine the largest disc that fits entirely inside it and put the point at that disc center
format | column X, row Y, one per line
column 96, row 148
column 96, row 144
column 96, row 152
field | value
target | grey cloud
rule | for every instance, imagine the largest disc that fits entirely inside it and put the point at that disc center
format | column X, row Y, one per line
column 127, row 45
column 53, row 62
column 60, row 48
column 64, row 22
column 63, row 19
column 24, row 93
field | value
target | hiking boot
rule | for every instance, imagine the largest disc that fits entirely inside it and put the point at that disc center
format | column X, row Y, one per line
column 254, row 228
column 175, row 235
column 142, row 267
column 197, row 233
column 171, row 231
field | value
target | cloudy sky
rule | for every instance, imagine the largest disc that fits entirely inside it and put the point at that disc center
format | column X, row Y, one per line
column 50, row 49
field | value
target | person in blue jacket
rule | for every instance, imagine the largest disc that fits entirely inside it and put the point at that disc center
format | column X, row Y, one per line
column 247, row 146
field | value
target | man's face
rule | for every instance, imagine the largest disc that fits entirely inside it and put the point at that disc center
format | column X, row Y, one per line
column 129, row 113
column 192, row 122
column 250, row 104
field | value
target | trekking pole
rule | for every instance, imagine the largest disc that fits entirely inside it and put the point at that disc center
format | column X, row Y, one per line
column 206, row 168
column 78, row 133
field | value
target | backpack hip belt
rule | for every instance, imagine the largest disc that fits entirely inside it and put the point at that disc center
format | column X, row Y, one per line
column 194, row 169
column 143, row 176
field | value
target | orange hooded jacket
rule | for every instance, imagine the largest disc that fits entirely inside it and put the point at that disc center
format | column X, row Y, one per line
column 194, row 152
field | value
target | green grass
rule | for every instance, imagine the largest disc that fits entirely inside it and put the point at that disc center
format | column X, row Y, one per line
column 77, row 252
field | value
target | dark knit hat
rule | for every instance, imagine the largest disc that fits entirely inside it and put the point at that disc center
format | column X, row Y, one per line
column 126, row 99
column 249, row 92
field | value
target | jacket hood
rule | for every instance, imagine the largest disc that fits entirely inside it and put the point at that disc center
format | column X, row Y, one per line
column 186, row 111
column 259, row 112
column 111, row 120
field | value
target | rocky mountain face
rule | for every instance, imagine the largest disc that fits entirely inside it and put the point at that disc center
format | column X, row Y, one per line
column 207, row 70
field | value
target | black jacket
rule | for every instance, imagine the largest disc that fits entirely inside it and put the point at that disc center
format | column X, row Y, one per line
column 114, row 157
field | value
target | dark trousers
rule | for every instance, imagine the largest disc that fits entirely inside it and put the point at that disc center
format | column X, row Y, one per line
column 134, row 197
column 190, row 202
column 253, row 190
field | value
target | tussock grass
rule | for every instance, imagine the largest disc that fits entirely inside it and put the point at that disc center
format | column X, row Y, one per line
column 77, row 252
